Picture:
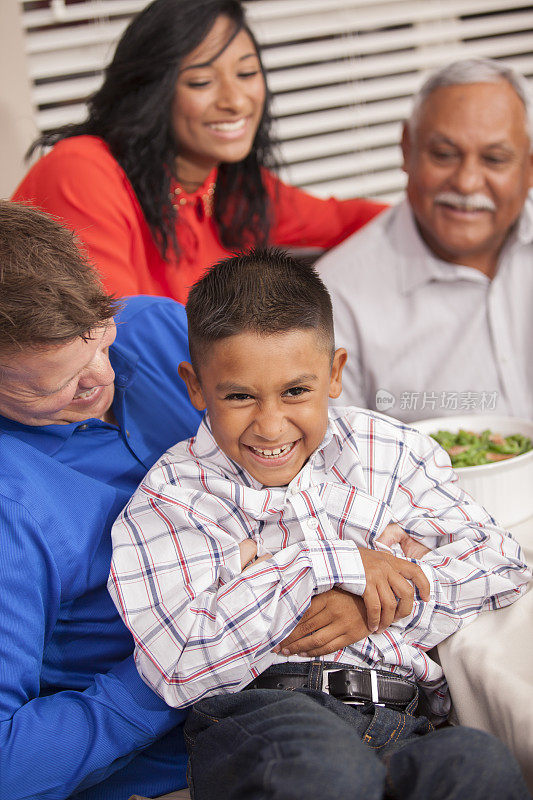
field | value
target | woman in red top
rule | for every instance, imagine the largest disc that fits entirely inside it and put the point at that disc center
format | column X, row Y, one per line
column 171, row 170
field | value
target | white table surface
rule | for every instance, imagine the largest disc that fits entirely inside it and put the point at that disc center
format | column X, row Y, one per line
column 489, row 669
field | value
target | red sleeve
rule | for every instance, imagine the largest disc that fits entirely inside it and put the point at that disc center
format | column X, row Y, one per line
column 80, row 182
column 307, row 221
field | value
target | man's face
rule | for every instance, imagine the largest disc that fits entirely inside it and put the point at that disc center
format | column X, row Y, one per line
column 267, row 398
column 469, row 170
column 59, row 384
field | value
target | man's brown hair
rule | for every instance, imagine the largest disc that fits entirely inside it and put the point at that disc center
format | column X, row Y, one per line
column 49, row 293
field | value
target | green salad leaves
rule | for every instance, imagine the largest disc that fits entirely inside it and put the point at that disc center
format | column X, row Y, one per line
column 467, row 449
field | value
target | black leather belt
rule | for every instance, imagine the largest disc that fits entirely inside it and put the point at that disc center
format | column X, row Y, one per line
column 356, row 685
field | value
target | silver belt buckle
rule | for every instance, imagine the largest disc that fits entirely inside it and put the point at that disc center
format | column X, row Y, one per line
column 325, row 685
column 373, row 686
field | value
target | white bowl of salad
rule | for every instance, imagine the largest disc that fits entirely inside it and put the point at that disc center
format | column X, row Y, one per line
column 493, row 457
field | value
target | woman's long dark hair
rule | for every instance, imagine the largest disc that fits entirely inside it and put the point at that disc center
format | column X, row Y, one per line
column 132, row 113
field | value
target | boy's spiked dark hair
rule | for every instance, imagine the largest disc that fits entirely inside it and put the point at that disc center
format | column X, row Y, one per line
column 265, row 291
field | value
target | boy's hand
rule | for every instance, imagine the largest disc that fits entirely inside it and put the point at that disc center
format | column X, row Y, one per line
column 389, row 593
column 248, row 550
column 394, row 534
column 335, row 619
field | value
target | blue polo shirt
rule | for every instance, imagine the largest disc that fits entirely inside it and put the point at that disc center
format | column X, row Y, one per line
column 75, row 718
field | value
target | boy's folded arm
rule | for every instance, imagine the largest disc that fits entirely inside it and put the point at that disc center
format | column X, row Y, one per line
column 177, row 583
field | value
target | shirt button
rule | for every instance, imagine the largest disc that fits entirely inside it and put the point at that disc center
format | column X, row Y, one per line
column 127, row 434
column 295, row 490
column 312, row 523
column 82, row 427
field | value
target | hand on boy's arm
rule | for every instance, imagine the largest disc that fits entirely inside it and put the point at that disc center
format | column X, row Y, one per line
column 389, row 592
column 248, row 549
column 394, row 534
column 335, row 619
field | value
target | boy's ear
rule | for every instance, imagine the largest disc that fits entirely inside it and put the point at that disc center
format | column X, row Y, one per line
column 187, row 374
column 339, row 360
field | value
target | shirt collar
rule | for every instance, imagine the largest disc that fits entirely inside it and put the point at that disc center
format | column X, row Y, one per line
column 417, row 265
column 124, row 363
column 524, row 231
column 49, row 439
column 203, row 195
column 206, row 450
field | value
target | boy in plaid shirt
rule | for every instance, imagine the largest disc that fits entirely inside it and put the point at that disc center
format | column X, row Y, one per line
column 282, row 533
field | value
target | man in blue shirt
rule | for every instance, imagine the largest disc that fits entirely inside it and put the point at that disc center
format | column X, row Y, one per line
column 83, row 416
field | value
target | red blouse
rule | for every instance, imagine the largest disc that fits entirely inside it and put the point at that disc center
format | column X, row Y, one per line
column 81, row 183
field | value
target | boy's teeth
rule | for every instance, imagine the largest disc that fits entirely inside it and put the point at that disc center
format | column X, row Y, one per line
column 277, row 451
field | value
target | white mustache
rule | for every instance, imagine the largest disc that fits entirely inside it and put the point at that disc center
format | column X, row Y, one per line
column 466, row 202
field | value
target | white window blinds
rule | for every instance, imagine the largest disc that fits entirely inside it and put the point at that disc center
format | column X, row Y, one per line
column 342, row 71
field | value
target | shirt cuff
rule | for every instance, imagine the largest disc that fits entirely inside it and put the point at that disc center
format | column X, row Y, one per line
column 337, row 564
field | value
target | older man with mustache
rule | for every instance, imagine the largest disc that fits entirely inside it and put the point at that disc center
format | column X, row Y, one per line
column 433, row 299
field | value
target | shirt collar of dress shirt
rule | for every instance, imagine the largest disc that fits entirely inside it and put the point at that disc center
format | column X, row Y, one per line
column 524, row 231
column 207, row 450
column 49, row 439
column 418, row 266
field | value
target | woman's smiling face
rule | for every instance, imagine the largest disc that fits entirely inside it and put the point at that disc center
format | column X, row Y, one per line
column 218, row 101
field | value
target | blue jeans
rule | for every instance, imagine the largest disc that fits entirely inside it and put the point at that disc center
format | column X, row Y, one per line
column 307, row 745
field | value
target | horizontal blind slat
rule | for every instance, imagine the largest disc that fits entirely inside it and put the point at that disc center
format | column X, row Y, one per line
column 390, row 86
column 100, row 9
column 69, row 62
column 78, row 36
column 339, row 118
column 352, row 44
column 384, row 15
column 339, row 166
column 388, row 64
column 367, row 14
column 271, row 9
column 354, row 139
column 63, row 91
column 110, row 31
column 360, row 185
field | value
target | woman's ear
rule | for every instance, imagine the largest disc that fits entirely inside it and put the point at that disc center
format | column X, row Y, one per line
column 339, row 360
column 187, row 374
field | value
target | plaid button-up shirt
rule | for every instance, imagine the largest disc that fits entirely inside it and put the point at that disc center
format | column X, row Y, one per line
column 202, row 626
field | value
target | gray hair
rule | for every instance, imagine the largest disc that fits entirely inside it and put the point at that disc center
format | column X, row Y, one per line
column 474, row 70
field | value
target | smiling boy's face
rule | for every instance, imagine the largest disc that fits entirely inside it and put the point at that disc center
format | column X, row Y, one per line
column 267, row 398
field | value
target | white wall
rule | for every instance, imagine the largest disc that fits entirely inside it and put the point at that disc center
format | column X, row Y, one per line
column 17, row 125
